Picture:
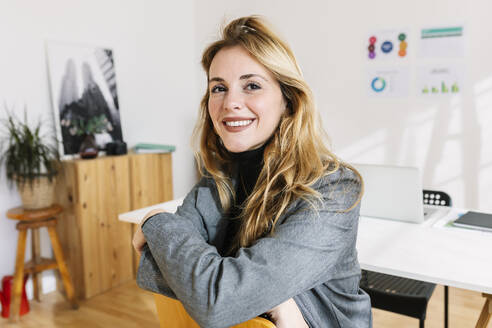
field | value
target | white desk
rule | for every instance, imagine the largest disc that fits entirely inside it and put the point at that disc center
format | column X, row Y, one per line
column 443, row 255
column 429, row 251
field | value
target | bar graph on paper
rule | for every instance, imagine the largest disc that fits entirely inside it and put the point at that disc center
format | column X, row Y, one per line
column 440, row 80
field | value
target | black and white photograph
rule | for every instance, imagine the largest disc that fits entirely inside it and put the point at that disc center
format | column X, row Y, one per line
column 84, row 95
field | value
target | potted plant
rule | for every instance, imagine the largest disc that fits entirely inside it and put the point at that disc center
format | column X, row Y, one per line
column 87, row 128
column 29, row 161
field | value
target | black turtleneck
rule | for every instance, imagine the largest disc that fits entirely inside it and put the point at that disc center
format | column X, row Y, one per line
column 249, row 165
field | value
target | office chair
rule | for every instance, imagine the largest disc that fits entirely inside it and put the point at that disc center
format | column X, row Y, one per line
column 172, row 314
column 402, row 295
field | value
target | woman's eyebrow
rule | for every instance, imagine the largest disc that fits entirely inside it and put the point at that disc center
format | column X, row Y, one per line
column 242, row 77
column 217, row 79
column 248, row 76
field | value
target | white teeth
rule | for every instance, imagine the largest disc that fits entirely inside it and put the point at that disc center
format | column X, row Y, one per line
column 238, row 123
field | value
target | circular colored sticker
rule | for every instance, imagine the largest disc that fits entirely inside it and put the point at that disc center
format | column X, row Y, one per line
column 372, row 39
column 402, row 53
column 371, row 48
column 378, row 84
column 372, row 55
column 402, row 36
column 387, row 46
column 403, row 45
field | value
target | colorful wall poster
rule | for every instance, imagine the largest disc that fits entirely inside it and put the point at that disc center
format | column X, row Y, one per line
column 446, row 80
column 442, row 42
column 387, row 45
column 387, row 82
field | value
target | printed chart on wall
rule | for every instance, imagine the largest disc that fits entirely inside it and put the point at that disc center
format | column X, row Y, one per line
column 387, row 82
column 386, row 45
column 442, row 42
column 386, row 52
column 440, row 80
column 442, row 49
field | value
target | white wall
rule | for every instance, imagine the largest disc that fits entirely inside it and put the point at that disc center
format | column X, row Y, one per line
column 448, row 139
column 153, row 48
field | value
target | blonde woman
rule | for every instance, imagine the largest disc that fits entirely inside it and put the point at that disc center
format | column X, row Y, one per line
column 271, row 227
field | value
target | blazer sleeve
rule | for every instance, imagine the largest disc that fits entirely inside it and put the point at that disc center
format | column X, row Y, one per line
column 303, row 253
column 149, row 277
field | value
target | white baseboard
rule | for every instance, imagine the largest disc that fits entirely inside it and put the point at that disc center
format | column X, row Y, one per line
column 48, row 281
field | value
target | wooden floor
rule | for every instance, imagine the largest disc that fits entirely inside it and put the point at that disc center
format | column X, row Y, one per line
column 122, row 307
column 129, row 306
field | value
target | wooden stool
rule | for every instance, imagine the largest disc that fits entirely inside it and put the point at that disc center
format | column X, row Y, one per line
column 35, row 219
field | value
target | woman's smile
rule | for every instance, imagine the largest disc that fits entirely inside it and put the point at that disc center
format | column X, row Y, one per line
column 237, row 124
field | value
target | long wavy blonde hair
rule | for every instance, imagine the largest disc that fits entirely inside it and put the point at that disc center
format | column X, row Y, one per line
column 296, row 155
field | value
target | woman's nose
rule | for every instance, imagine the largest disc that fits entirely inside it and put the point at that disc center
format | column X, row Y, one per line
column 233, row 100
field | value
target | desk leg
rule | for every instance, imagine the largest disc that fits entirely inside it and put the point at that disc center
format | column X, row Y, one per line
column 484, row 318
column 18, row 277
column 446, row 306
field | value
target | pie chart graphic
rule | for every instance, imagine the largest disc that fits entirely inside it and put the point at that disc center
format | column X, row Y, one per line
column 378, row 84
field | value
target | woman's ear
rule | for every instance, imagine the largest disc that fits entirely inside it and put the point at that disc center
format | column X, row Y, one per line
column 288, row 106
column 286, row 100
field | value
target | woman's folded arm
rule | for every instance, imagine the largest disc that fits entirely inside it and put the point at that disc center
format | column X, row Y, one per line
column 221, row 291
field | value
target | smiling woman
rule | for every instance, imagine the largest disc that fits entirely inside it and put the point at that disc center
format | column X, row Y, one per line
column 245, row 102
column 271, row 227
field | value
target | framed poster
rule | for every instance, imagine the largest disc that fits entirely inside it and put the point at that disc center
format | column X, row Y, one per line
column 83, row 93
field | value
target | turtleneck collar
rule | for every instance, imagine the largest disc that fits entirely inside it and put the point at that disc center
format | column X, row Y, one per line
column 249, row 164
column 249, row 156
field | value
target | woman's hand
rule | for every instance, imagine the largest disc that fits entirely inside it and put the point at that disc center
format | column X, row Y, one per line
column 287, row 315
column 138, row 237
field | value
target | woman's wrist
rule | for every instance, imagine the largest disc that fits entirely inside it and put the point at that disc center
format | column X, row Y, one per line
column 151, row 214
column 288, row 315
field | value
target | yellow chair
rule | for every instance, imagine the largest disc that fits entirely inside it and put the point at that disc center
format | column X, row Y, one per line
column 172, row 314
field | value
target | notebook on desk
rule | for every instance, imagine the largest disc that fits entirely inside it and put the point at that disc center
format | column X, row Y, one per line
column 475, row 220
column 395, row 192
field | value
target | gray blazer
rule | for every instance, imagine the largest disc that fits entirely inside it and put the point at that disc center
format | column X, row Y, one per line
column 311, row 258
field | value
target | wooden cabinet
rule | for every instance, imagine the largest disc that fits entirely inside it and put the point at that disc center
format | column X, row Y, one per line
column 93, row 192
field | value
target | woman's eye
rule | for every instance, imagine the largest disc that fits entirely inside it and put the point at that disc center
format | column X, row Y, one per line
column 217, row 88
column 252, row 86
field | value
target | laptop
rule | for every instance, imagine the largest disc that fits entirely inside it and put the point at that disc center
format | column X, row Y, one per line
column 395, row 193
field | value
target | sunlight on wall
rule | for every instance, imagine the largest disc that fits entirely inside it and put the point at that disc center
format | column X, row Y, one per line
column 483, row 98
column 370, row 149
column 449, row 167
column 431, row 139
column 416, row 137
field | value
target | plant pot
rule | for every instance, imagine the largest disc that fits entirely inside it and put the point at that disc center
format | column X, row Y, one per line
column 39, row 194
column 88, row 147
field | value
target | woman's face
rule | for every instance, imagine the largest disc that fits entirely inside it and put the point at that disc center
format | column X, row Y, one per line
column 245, row 101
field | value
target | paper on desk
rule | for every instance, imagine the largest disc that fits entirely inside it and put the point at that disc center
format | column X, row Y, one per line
column 137, row 215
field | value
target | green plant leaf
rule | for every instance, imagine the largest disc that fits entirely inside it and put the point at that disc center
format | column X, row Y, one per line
column 24, row 152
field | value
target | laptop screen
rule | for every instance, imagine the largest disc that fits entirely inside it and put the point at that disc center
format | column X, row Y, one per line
column 391, row 192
